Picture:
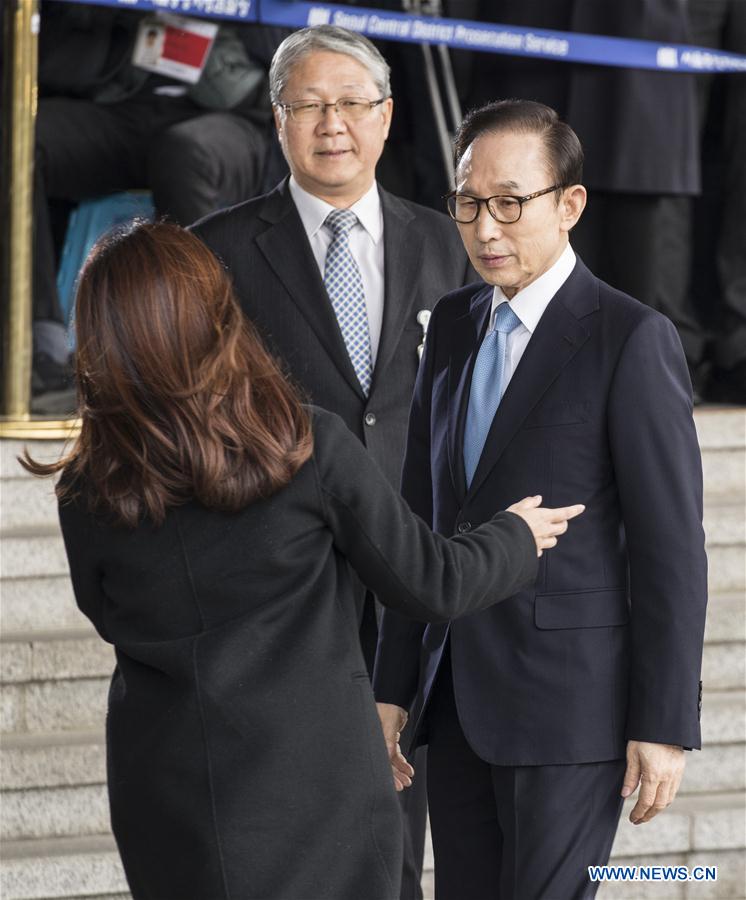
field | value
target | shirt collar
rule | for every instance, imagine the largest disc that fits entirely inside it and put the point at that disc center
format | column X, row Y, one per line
column 529, row 304
column 313, row 210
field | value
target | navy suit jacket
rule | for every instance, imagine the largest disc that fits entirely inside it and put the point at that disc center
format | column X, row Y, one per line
column 606, row 646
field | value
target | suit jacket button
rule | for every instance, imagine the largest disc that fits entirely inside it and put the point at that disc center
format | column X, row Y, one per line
column 463, row 527
column 370, row 419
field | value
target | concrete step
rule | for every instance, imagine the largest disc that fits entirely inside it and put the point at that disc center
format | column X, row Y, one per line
column 707, row 830
column 52, row 759
column 694, row 822
column 717, row 768
column 724, row 666
column 731, row 878
column 42, row 451
column 27, row 503
column 64, row 705
column 725, row 522
column 62, row 868
column 724, row 471
column 38, row 554
column 720, row 428
column 39, row 604
column 54, row 812
column 726, row 618
column 54, row 785
column 723, row 718
column 730, row 884
column 721, row 764
column 50, row 656
column 694, row 831
column 726, row 569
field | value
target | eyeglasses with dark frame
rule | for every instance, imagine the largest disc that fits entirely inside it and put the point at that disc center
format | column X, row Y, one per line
column 504, row 208
column 351, row 109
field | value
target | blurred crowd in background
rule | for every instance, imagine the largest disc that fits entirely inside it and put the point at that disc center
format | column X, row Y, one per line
column 665, row 152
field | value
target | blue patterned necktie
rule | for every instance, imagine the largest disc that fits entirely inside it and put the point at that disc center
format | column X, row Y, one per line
column 344, row 285
column 487, row 386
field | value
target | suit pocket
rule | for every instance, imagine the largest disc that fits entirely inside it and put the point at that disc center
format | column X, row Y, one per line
column 566, row 413
column 584, row 609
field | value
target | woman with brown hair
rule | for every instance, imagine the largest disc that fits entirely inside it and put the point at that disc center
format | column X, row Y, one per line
column 210, row 521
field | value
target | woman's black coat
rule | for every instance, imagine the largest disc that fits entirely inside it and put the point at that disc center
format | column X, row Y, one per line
column 245, row 756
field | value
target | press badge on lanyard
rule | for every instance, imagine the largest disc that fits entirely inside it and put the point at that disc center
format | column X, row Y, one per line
column 174, row 46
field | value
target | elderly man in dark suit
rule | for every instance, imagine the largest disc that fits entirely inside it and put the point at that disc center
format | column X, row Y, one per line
column 339, row 275
column 543, row 713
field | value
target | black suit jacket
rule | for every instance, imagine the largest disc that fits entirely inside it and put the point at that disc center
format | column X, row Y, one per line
column 236, row 642
column 264, row 245
column 606, row 646
column 609, row 107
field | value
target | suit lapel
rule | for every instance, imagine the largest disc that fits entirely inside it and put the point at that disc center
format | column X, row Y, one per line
column 466, row 337
column 403, row 249
column 558, row 337
column 285, row 246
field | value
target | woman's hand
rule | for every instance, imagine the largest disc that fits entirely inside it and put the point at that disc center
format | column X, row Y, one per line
column 545, row 523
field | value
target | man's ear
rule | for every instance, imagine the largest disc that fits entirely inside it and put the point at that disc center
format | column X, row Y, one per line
column 572, row 205
column 279, row 115
column 387, row 110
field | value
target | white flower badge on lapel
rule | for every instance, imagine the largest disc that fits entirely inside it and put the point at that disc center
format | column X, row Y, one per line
column 423, row 319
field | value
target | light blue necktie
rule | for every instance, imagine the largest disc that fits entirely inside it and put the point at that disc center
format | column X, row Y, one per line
column 344, row 285
column 487, row 386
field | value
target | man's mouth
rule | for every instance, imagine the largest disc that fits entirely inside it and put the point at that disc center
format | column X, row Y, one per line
column 493, row 260
column 332, row 154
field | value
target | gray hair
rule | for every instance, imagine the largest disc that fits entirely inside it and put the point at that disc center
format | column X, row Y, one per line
column 332, row 39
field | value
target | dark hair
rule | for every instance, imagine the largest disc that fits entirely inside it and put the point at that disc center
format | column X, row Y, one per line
column 564, row 155
column 178, row 398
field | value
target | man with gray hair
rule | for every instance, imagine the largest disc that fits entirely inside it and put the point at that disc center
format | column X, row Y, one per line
column 339, row 275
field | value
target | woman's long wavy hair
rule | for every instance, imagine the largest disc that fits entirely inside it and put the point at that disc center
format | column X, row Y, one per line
column 178, row 398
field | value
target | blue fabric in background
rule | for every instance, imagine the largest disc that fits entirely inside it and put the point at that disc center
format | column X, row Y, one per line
column 88, row 222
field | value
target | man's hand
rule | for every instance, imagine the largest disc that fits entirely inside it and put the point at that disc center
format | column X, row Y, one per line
column 393, row 719
column 658, row 769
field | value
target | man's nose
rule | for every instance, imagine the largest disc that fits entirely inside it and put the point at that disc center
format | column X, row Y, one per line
column 331, row 122
column 486, row 227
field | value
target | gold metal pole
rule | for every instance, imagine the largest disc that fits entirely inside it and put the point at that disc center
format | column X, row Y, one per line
column 20, row 46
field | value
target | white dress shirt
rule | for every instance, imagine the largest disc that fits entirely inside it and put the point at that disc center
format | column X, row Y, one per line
column 529, row 305
column 366, row 246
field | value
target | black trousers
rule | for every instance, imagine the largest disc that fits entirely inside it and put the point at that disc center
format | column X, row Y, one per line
column 640, row 244
column 193, row 161
column 413, row 800
column 719, row 216
column 513, row 832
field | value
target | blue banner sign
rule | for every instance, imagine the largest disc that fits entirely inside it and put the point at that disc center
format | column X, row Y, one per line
column 462, row 34
column 242, row 10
